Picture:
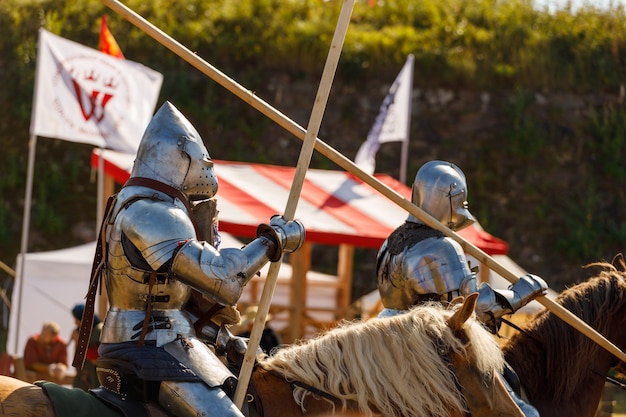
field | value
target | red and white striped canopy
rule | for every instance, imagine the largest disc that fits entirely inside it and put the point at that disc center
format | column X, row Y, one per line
column 335, row 206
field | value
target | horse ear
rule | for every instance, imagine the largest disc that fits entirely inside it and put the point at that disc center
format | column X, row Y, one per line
column 618, row 262
column 456, row 300
column 464, row 312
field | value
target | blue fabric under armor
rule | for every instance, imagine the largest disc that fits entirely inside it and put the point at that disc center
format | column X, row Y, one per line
column 148, row 362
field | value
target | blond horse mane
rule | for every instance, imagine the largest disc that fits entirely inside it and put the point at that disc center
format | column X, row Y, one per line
column 389, row 366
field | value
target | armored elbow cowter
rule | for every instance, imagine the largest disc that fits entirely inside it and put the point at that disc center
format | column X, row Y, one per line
column 222, row 274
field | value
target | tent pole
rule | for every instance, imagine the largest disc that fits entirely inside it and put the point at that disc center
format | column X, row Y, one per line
column 345, row 163
column 32, row 145
column 345, row 268
column 100, row 204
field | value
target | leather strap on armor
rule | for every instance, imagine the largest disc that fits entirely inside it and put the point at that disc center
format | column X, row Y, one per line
column 206, row 316
column 86, row 323
column 146, row 320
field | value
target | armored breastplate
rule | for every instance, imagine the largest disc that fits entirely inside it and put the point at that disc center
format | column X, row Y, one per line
column 429, row 267
column 127, row 281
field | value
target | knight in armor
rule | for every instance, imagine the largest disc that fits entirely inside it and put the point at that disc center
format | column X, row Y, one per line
column 171, row 291
column 417, row 263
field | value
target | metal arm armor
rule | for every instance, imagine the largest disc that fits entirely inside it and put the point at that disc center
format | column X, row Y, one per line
column 222, row 274
column 493, row 304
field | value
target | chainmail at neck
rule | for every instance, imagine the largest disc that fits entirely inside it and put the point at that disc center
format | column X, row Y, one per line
column 408, row 235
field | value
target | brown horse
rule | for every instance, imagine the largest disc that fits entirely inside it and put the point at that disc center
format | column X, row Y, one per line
column 429, row 362
column 561, row 371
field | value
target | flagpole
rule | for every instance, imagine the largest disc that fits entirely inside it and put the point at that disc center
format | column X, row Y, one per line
column 28, row 198
column 32, row 145
column 345, row 163
column 404, row 157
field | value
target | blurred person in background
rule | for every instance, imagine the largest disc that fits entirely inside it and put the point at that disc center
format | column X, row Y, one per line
column 45, row 355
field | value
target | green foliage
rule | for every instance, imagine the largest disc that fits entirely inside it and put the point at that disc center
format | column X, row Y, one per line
column 608, row 144
column 594, row 218
column 495, row 46
column 526, row 134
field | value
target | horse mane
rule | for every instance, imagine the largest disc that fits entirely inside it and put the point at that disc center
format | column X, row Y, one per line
column 550, row 340
column 389, row 366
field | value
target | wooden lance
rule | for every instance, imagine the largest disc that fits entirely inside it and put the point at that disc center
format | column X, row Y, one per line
column 294, row 195
column 345, row 163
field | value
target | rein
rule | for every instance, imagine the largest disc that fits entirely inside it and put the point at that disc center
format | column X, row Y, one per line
column 609, row 378
column 444, row 353
column 308, row 387
column 314, row 390
column 519, row 329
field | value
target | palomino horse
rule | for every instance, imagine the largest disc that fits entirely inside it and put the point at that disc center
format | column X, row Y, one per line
column 428, row 362
column 561, row 371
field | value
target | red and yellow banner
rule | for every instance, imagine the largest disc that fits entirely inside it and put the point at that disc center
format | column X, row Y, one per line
column 108, row 44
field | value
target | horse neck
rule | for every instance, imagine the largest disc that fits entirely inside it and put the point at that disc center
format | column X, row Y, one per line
column 546, row 357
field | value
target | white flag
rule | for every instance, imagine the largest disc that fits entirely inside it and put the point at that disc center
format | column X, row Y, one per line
column 392, row 123
column 84, row 95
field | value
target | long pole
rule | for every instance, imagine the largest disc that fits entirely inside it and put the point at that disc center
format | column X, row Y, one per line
column 296, row 188
column 348, row 165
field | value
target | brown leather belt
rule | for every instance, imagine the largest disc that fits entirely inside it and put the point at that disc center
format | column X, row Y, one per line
column 86, row 323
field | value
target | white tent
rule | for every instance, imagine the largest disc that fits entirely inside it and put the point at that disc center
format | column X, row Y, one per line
column 54, row 282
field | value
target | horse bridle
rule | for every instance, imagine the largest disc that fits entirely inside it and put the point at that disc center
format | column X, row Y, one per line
column 444, row 352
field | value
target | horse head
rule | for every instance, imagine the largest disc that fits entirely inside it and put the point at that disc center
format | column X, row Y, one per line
column 484, row 392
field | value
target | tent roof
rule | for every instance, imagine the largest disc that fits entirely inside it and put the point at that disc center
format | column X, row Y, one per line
column 335, row 206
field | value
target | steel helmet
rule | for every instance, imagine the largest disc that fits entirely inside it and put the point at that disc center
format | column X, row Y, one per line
column 172, row 151
column 440, row 189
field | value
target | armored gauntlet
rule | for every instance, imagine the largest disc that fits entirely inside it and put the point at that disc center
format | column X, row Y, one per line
column 526, row 289
column 493, row 304
column 288, row 236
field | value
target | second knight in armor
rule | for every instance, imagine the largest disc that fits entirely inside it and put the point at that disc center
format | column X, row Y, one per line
column 417, row 263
